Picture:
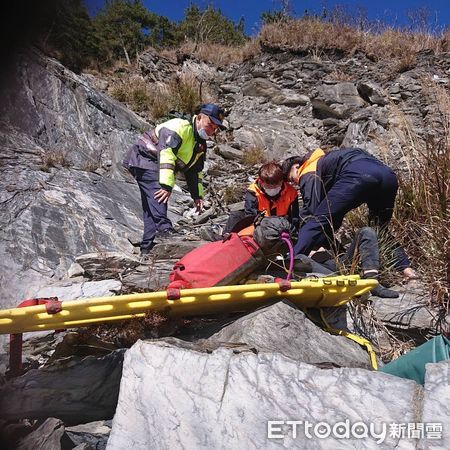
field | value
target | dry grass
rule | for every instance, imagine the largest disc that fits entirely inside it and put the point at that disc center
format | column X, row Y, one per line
column 253, row 156
column 339, row 75
column 311, row 34
column 233, row 194
column 182, row 93
column 216, row 54
column 54, row 158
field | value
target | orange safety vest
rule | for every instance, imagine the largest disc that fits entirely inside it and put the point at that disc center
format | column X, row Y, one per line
column 281, row 204
column 310, row 165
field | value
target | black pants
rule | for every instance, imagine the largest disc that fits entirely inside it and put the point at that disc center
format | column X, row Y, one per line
column 154, row 213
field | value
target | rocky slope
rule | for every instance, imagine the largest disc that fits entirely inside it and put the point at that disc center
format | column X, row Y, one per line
column 71, row 218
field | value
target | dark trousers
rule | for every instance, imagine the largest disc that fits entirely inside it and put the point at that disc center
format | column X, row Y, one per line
column 363, row 251
column 362, row 181
column 154, row 213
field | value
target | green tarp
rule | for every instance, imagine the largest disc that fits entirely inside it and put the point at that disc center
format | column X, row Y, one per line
column 412, row 364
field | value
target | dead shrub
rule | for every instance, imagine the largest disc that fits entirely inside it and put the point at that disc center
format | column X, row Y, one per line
column 182, row 93
column 233, row 194
column 54, row 158
column 254, row 155
column 218, row 54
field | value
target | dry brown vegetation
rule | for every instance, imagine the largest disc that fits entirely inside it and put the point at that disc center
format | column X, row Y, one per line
column 422, row 217
column 54, row 158
column 181, row 93
column 253, row 156
column 217, row 54
column 311, row 34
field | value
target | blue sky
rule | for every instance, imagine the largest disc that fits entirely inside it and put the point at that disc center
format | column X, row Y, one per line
column 390, row 11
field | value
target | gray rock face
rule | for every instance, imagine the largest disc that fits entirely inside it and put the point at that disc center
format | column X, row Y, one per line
column 73, row 391
column 69, row 290
column 284, row 329
column 94, row 434
column 372, row 93
column 337, row 100
column 225, row 400
column 49, row 436
column 436, row 408
column 55, row 130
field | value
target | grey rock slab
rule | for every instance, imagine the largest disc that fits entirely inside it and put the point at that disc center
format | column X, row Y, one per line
column 55, row 130
column 260, row 87
column 75, row 391
column 436, row 407
column 228, row 152
column 173, row 398
column 75, row 270
column 372, row 92
column 151, row 275
column 67, row 290
column 49, row 436
column 94, row 434
column 290, row 98
column 408, row 312
column 336, row 100
column 100, row 265
column 282, row 328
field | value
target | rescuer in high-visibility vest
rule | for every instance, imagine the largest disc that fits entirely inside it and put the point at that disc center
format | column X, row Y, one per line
column 176, row 145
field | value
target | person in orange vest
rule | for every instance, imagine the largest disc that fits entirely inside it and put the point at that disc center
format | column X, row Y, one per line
column 334, row 183
column 268, row 195
column 271, row 194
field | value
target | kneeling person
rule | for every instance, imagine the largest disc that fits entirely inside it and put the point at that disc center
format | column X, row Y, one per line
column 270, row 195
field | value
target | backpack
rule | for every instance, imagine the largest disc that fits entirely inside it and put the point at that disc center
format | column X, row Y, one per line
column 217, row 263
column 229, row 261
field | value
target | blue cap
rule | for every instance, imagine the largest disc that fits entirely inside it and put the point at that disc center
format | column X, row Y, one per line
column 215, row 113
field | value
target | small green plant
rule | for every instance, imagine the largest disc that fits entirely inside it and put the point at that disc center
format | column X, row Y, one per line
column 254, row 155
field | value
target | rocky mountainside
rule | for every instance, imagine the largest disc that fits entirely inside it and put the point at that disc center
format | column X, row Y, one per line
column 71, row 218
column 64, row 193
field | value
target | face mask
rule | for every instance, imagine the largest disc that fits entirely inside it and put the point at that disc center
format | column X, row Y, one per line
column 203, row 134
column 272, row 192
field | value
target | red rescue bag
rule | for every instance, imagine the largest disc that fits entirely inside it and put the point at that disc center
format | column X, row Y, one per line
column 218, row 263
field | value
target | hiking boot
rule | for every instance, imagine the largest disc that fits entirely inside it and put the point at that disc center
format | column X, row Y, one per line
column 384, row 292
column 146, row 253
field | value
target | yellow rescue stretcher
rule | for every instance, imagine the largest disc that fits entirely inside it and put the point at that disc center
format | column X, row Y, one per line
column 306, row 293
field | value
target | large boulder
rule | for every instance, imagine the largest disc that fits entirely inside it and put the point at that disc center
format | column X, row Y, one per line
column 336, row 100
column 436, row 408
column 48, row 436
column 75, row 391
column 282, row 328
column 175, row 397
